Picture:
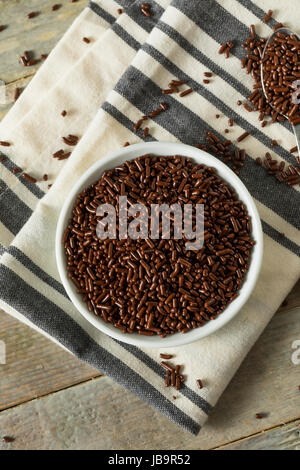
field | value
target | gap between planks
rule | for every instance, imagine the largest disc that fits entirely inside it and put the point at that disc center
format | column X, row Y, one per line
column 259, row 434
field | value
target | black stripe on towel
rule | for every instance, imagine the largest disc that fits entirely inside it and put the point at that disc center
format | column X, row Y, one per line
column 47, row 316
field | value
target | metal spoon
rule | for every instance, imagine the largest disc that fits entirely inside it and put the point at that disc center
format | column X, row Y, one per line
column 296, row 128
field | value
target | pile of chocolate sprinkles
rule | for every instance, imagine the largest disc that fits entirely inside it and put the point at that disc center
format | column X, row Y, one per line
column 157, row 287
column 235, row 159
column 289, row 175
column 281, row 67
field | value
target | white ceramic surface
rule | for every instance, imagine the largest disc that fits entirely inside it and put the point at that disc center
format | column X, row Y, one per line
column 161, row 148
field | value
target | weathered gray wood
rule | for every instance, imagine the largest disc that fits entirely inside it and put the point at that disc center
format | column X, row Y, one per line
column 292, row 300
column 286, row 437
column 38, row 367
column 39, row 34
column 34, row 365
column 101, row 415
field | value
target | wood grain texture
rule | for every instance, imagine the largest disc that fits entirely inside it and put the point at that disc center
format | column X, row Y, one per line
column 39, row 34
column 34, row 365
column 292, row 300
column 102, row 415
column 286, row 437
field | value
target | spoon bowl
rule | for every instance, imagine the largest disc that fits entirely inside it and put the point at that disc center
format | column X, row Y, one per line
column 287, row 31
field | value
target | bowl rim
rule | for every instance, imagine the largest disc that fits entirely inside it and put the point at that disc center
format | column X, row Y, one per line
column 163, row 149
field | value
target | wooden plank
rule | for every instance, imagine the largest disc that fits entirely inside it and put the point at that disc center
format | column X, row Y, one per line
column 35, row 366
column 292, row 300
column 101, row 415
column 26, row 378
column 286, row 437
column 39, row 34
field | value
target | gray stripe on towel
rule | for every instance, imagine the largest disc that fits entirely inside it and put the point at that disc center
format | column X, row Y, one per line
column 47, row 316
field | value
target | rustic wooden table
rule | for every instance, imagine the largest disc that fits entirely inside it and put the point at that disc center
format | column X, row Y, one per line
column 51, row 400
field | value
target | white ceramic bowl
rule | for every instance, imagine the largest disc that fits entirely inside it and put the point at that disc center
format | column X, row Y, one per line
column 161, row 148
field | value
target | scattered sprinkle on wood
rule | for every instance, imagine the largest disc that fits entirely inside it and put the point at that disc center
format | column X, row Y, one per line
column 260, row 415
column 16, row 94
column 7, row 439
column 56, row 7
column 32, row 14
column 27, row 60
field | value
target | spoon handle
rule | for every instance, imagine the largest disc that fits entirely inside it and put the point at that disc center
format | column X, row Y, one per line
column 296, row 130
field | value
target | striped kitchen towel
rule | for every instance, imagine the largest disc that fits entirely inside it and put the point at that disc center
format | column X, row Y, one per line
column 105, row 87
